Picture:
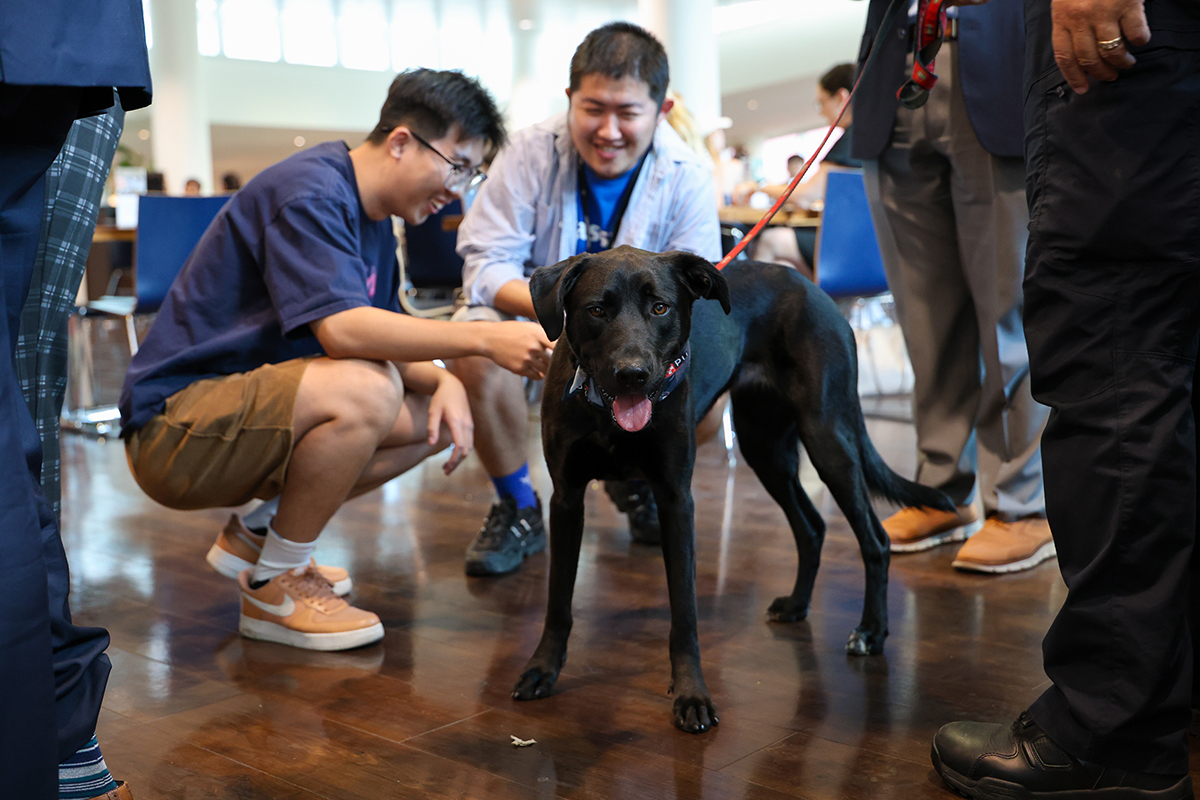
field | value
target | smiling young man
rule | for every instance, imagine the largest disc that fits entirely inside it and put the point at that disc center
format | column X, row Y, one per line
column 608, row 172
column 280, row 367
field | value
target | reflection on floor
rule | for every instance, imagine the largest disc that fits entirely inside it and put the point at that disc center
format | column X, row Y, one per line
column 194, row 711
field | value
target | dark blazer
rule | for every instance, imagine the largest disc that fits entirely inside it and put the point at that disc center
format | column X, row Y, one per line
column 98, row 44
column 991, row 60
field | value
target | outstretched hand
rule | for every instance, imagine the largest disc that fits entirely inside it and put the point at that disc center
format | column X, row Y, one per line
column 520, row 347
column 1091, row 37
column 448, row 405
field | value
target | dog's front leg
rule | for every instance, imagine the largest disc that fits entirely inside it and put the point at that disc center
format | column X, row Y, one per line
column 566, row 533
column 693, row 709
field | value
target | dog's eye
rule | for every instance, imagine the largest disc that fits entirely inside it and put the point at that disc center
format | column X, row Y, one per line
column 595, row 311
column 658, row 309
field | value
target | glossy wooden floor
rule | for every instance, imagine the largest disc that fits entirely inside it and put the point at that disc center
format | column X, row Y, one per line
column 195, row 711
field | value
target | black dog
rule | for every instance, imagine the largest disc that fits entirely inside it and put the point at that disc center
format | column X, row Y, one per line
column 640, row 365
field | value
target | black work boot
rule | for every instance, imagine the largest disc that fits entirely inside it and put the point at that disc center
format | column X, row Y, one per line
column 508, row 535
column 1003, row 762
column 635, row 499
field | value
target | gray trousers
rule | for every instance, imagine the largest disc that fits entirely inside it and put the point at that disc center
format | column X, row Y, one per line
column 958, row 218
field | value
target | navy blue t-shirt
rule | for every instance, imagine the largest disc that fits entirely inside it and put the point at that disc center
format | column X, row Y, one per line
column 599, row 201
column 292, row 247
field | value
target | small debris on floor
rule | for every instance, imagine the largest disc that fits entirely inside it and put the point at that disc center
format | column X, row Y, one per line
column 517, row 741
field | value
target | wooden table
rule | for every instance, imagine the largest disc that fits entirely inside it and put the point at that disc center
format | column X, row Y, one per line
column 107, row 233
column 744, row 215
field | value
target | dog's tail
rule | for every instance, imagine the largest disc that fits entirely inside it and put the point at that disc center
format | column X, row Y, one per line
column 882, row 481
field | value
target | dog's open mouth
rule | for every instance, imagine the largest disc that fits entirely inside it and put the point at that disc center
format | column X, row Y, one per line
column 632, row 411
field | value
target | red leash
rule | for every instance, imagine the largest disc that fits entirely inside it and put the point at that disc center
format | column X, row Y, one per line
column 912, row 95
column 762, row 223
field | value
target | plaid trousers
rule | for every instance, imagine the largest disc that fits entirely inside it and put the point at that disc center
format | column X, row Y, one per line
column 74, row 186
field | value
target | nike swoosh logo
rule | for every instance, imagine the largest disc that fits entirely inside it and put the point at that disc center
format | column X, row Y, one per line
column 283, row 609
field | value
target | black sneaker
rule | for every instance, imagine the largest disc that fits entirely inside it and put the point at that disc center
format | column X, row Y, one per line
column 508, row 535
column 1019, row 761
column 635, row 499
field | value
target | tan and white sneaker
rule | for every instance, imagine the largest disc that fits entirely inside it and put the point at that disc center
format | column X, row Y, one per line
column 1007, row 546
column 918, row 528
column 299, row 608
column 237, row 548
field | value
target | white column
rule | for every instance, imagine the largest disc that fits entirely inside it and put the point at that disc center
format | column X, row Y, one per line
column 181, row 143
column 685, row 29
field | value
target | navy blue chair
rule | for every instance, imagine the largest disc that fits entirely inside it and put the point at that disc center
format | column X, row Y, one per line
column 430, row 269
column 849, row 265
column 848, row 260
column 168, row 230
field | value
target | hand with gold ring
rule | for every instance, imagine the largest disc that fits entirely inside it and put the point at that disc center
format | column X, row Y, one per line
column 1090, row 38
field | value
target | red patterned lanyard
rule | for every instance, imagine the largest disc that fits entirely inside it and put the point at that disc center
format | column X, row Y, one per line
column 931, row 28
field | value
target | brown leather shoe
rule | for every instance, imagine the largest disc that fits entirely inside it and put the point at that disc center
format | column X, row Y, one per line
column 1007, row 546
column 122, row 792
column 916, row 528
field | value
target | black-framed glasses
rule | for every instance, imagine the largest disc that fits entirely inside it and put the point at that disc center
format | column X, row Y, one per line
column 461, row 178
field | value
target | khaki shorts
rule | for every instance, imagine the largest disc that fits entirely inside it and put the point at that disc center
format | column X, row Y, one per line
column 221, row 441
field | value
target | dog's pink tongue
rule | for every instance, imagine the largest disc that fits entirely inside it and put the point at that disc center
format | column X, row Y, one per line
column 632, row 411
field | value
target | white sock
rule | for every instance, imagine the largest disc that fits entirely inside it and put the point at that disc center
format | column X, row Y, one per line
column 280, row 555
column 261, row 517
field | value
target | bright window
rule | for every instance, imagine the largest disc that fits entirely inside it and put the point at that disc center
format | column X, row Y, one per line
column 363, row 34
column 461, row 37
column 308, row 33
column 414, row 35
column 146, row 22
column 208, row 28
column 250, row 29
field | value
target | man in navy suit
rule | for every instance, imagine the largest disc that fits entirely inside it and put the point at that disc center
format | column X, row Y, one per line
column 948, row 180
column 59, row 60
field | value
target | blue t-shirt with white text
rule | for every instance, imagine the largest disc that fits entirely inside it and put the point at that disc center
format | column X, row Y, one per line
column 598, row 203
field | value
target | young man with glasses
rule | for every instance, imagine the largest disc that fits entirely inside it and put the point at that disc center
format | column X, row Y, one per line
column 608, row 172
column 280, row 367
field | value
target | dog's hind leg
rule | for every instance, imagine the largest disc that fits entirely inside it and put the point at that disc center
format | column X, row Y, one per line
column 832, row 442
column 770, row 443
column 566, row 534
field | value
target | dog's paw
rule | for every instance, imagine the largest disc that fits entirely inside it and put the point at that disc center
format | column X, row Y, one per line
column 865, row 642
column 534, row 684
column 787, row 609
column 695, row 714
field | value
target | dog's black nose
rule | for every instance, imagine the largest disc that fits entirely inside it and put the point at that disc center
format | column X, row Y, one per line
column 631, row 377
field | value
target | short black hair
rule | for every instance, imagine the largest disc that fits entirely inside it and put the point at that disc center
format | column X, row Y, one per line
column 836, row 78
column 621, row 49
column 431, row 101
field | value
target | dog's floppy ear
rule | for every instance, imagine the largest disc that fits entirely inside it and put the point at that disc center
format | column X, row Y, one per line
column 700, row 277
column 550, row 287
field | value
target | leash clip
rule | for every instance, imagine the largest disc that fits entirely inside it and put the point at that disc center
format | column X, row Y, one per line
column 931, row 30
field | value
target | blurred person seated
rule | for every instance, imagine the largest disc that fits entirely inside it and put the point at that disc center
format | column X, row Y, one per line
column 796, row 246
column 729, row 166
column 683, row 122
column 191, row 188
column 230, row 182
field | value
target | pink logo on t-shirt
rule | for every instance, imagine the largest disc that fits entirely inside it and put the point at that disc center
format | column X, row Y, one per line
column 372, row 279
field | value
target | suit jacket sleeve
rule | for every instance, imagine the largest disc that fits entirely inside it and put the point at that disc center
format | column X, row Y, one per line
column 95, row 44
